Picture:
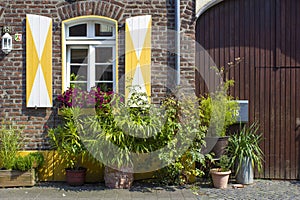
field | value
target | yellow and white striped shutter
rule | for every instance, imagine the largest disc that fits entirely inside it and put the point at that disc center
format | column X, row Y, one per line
column 38, row 61
column 138, row 54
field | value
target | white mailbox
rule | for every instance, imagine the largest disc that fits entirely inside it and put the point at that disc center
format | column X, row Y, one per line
column 243, row 113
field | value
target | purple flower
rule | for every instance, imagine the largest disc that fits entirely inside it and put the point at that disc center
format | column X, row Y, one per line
column 81, row 98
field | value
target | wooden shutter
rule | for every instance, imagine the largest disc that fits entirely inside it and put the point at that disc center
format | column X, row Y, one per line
column 138, row 54
column 38, row 61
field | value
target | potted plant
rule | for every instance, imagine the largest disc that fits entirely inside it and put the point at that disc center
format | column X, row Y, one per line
column 246, row 153
column 114, row 127
column 218, row 111
column 220, row 176
column 75, row 105
column 16, row 170
column 66, row 140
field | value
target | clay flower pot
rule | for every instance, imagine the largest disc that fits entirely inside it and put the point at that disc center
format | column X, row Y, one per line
column 220, row 178
column 75, row 177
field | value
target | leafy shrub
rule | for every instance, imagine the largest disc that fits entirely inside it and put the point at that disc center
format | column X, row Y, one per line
column 128, row 127
column 182, row 121
column 224, row 163
column 219, row 109
column 65, row 138
column 10, row 143
column 37, row 159
column 23, row 163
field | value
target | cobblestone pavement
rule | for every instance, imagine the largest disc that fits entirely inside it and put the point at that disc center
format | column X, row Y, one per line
column 261, row 189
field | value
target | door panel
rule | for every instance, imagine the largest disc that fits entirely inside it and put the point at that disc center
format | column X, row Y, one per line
column 265, row 35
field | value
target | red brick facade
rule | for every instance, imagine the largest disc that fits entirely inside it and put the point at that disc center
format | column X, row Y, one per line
column 12, row 66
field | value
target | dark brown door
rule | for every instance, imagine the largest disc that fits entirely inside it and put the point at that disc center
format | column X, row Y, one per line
column 265, row 34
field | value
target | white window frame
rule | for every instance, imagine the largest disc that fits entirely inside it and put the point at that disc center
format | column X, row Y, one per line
column 90, row 42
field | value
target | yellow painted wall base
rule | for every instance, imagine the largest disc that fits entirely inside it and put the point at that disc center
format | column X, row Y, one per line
column 54, row 169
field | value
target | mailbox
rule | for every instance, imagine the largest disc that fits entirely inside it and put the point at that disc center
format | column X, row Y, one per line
column 243, row 113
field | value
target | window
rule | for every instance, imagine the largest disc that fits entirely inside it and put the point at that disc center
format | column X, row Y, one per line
column 90, row 53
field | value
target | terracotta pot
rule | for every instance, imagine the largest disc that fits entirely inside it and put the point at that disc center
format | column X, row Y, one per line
column 75, row 177
column 220, row 179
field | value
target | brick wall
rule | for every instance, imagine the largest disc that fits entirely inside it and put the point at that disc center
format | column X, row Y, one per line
column 12, row 66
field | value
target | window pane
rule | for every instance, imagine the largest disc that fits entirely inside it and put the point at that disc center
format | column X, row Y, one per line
column 103, row 30
column 80, row 71
column 79, row 55
column 104, row 73
column 78, row 30
column 105, row 86
column 104, row 55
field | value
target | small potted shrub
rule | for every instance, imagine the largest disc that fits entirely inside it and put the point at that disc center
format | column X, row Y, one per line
column 220, row 176
column 66, row 140
column 246, row 153
column 75, row 105
column 218, row 111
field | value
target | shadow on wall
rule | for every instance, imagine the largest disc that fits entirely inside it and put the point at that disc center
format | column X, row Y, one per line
column 54, row 168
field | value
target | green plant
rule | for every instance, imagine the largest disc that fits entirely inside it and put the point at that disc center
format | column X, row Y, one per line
column 23, row 163
column 10, row 143
column 135, row 126
column 206, row 164
column 182, row 121
column 37, row 159
column 123, row 127
column 219, row 110
column 65, row 138
column 224, row 163
column 246, row 144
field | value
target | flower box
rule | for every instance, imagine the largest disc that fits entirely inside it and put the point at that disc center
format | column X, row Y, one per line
column 15, row 178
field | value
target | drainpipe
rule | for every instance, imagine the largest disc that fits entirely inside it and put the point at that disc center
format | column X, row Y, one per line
column 177, row 41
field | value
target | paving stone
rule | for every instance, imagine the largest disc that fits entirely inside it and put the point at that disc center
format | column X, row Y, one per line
column 261, row 189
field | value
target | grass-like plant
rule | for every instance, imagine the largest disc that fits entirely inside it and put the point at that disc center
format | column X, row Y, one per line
column 65, row 138
column 10, row 143
column 246, row 144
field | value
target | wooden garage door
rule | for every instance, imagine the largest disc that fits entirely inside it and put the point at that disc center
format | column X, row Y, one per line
column 266, row 35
